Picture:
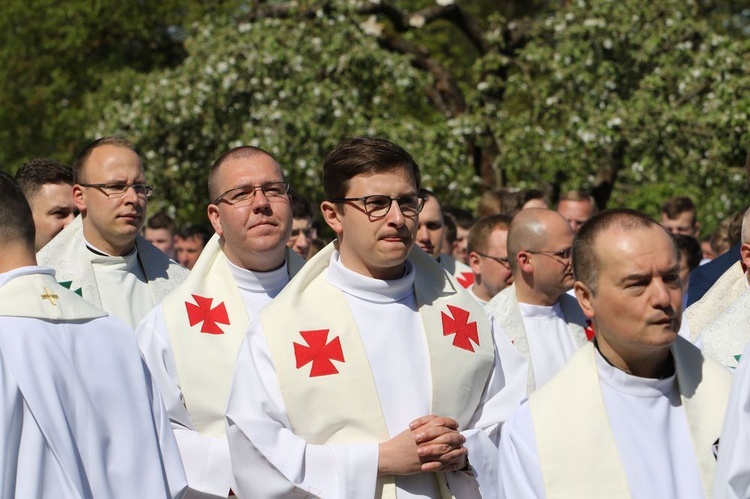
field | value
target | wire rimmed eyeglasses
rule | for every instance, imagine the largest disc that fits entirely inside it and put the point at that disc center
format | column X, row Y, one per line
column 244, row 195
column 378, row 205
column 565, row 254
column 118, row 189
column 502, row 261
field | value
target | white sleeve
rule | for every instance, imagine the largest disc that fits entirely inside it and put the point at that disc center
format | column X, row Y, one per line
column 206, row 459
column 505, row 389
column 520, row 472
column 269, row 460
column 733, row 467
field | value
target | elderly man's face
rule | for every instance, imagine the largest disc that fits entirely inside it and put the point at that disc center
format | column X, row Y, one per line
column 636, row 308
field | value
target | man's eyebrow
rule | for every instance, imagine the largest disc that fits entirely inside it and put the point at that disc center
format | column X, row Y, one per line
column 635, row 278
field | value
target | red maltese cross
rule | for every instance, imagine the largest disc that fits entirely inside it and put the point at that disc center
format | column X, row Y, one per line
column 318, row 352
column 210, row 317
column 458, row 323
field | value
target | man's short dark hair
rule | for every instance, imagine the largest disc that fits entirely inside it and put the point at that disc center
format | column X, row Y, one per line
column 463, row 218
column 585, row 259
column 16, row 221
column 676, row 206
column 482, row 230
column 79, row 164
column 42, row 171
column 364, row 155
column 580, row 195
column 200, row 231
column 235, row 153
column 691, row 247
column 301, row 208
column 162, row 221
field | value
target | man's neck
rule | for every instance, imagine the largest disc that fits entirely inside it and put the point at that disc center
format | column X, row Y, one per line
column 480, row 292
column 658, row 365
column 532, row 296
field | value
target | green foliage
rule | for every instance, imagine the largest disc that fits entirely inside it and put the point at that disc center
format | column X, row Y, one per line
column 294, row 88
column 641, row 92
column 54, row 53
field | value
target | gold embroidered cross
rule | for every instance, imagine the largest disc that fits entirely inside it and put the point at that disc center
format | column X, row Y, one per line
column 48, row 295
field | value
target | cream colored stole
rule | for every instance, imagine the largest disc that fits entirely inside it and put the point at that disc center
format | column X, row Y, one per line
column 205, row 351
column 727, row 288
column 344, row 407
column 507, row 313
column 577, row 452
column 67, row 254
column 39, row 296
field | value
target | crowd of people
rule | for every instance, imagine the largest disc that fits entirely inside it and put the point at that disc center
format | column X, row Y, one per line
column 533, row 350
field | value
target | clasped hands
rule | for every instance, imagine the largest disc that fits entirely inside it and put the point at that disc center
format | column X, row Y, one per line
column 431, row 443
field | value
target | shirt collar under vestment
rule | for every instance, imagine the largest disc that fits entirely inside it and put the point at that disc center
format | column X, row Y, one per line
column 267, row 283
column 367, row 288
column 633, row 385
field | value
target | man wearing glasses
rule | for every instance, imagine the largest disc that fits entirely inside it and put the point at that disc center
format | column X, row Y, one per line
column 487, row 247
column 100, row 254
column 544, row 323
column 372, row 374
column 190, row 341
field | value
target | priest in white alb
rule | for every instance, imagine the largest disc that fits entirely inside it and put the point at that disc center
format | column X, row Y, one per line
column 638, row 411
column 80, row 417
column 190, row 340
column 541, row 319
column 101, row 255
column 373, row 373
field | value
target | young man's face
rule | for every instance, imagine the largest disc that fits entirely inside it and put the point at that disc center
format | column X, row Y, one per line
column 684, row 224
column 431, row 228
column 577, row 212
column 256, row 230
column 492, row 275
column 162, row 239
column 52, row 208
column 374, row 246
column 459, row 245
column 111, row 223
column 302, row 236
column 188, row 250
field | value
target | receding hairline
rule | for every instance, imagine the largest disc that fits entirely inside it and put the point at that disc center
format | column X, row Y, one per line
column 241, row 152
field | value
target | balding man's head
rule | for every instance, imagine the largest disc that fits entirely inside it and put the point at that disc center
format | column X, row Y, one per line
column 539, row 243
column 532, row 229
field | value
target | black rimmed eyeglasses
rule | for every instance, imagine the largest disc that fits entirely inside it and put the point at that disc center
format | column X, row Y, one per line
column 378, row 205
column 244, row 195
column 118, row 189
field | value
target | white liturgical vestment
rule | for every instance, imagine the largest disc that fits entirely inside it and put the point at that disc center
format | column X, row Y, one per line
column 271, row 460
column 190, row 343
column 595, row 431
column 733, row 469
column 546, row 336
column 79, row 414
column 80, row 270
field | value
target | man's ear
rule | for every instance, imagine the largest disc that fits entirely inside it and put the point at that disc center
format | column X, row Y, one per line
column 215, row 218
column 524, row 262
column 78, row 198
column 474, row 263
column 585, row 298
column 331, row 215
